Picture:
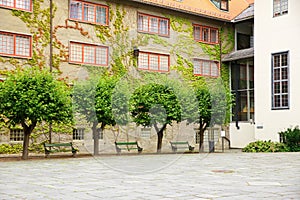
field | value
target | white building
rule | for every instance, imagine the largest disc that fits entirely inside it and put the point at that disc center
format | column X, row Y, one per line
column 268, row 99
column 277, row 67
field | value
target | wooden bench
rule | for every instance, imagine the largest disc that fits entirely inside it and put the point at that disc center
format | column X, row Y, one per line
column 181, row 145
column 56, row 147
column 128, row 146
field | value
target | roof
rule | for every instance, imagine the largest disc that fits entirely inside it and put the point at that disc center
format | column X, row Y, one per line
column 203, row 8
column 246, row 14
column 238, row 55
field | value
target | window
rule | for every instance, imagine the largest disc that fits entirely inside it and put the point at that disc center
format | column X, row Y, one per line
column 153, row 62
column 221, row 4
column 242, row 87
column 81, row 53
column 146, row 132
column 153, row 24
column 206, row 68
column 280, row 81
column 15, row 45
column 280, row 7
column 100, row 133
column 16, row 134
column 78, row 133
column 206, row 34
column 89, row 12
column 17, row 4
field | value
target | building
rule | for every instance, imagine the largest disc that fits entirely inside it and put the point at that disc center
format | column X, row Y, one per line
column 103, row 34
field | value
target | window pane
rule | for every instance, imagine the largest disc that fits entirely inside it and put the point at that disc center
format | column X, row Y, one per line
column 22, row 46
column 284, row 73
column 196, row 32
column 213, row 36
column 153, row 62
column 89, row 12
column 76, row 52
column 23, row 4
column 276, row 74
column 101, row 15
column 285, row 100
column 277, row 87
column 163, row 27
column 164, row 63
column 153, row 25
column 141, row 22
column 6, row 44
column 143, row 61
column 206, row 68
column 284, row 85
column 276, row 61
column 284, row 59
column 9, row 3
column 89, row 54
column 214, row 69
column 197, row 67
column 101, row 56
column 76, row 10
column 224, row 4
column 277, row 101
column 205, row 32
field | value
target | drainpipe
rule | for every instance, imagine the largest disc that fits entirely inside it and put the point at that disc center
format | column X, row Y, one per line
column 51, row 58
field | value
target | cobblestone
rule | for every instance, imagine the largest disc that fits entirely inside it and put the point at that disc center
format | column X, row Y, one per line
column 166, row 176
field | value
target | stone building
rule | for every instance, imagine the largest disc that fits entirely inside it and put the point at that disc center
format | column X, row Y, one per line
column 159, row 36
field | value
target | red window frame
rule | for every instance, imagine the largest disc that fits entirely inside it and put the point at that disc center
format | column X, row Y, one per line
column 81, row 18
column 14, row 53
column 148, row 64
column 200, row 36
column 201, row 72
column 159, row 19
column 82, row 51
column 14, row 6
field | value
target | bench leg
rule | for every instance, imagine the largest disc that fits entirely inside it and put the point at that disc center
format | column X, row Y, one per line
column 174, row 149
column 46, row 155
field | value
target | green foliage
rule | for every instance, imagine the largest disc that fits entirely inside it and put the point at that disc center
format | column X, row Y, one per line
column 265, row 146
column 17, row 148
column 292, row 138
column 103, row 100
column 32, row 96
column 153, row 104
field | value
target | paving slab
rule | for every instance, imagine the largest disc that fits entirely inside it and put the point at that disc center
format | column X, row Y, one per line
column 163, row 176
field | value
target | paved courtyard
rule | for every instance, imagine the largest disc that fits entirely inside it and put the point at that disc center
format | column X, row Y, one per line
column 167, row 176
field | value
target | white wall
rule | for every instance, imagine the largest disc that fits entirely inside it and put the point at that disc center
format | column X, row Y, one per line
column 272, row 35
column 239, row 138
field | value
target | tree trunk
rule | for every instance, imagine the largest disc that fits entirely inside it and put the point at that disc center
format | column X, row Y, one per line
column 96, row 138
column 160, row 135
column 27, row 131
column 201, row 146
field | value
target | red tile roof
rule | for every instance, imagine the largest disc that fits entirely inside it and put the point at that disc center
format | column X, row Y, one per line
column 203, row 7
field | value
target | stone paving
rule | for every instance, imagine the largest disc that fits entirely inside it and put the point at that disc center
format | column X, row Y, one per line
column 162, row 177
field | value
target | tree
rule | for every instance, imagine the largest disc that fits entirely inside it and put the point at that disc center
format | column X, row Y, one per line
column 84, row 94
column 30, row 96
column 155, row 105
column 103, row 100
column 212, row 107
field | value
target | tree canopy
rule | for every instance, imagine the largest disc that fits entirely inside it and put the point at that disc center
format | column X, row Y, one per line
column 30, row 96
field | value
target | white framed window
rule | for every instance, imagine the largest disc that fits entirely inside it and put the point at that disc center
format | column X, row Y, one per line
column 206, row 34
column 92, row 54
column 280, row 80
column 15, row 45
column 153, row 24
column 25, row 5
column 154, row 62
column 206, row 68
column 88, row 12
column 78, row 133
column 16, row 134
column 280, row 7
